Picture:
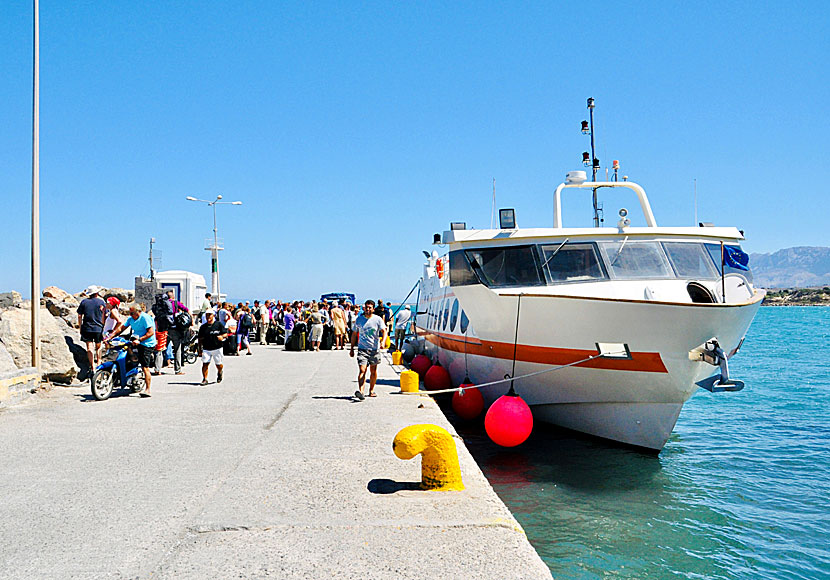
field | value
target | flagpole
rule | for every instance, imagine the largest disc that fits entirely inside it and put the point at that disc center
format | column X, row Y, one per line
column 36, row 192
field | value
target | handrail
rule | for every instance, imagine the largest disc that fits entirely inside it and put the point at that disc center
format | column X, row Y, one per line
column 641, row 195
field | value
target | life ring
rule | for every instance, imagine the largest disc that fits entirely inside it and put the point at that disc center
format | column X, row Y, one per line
column 439, row 268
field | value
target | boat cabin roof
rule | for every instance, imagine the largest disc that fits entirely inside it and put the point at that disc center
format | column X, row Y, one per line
column 541, row 235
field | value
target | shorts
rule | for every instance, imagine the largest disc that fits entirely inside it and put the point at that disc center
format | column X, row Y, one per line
column 95, row 337
column 146, row 356
column 367, row 357
column 215, row 355
column 316, row 332
column 400, row 333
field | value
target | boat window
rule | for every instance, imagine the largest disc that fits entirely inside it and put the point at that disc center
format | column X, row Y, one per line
column 446, row 314
column 571, row 262
column 714, row 252
column 635, row 260
column 465, row 322
column 454, row 315
column 690, row 260
column 461, row 273
column 504, row 267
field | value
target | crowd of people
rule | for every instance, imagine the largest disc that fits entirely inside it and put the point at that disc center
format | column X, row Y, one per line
column 223, row 329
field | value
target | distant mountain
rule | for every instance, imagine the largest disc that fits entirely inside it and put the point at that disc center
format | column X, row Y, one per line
column 798, row 267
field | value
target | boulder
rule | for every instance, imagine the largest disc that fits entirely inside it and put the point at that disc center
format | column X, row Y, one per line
column 120, row 293
column 60, row 309
column 72, row 337
column 59, row 295
column 10, row 299
column 6, row 361
column 57, row 362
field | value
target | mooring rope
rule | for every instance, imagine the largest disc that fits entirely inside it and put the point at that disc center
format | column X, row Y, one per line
column 510, row 379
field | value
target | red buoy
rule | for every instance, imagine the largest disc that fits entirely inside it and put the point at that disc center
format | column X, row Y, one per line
column 467, row 403
column 437, row 378
column 508, row 421
column 420, row 364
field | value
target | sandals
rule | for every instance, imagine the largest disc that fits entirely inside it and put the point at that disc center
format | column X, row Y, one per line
column 204, row 382
column 359, row 396
column 373, row 394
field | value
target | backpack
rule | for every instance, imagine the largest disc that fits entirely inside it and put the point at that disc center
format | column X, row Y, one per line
column 246, row 321
column 182, row 320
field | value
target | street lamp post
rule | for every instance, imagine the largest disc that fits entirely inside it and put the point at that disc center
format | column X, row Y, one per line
column 36, row 191
column 214, row 248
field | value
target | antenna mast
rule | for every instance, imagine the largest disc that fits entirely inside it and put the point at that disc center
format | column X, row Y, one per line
column 696, row 222
column 593, row 161
column 152, row 272
column 493, row 209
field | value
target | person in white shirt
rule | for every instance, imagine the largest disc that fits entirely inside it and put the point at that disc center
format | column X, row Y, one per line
column 402, row 325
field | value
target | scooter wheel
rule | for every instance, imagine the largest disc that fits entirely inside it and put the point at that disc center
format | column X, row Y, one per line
column 102, row 384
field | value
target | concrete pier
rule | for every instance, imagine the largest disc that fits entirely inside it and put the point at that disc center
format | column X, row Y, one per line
column 276, row 472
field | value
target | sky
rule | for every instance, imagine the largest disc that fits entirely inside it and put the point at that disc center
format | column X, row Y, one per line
column 352, row 132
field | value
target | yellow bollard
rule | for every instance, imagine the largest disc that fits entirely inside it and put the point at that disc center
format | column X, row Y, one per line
column 396, row 357
column 439, row 459
column 409, row 382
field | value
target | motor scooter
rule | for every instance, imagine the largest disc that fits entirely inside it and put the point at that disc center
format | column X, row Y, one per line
column 119, row 368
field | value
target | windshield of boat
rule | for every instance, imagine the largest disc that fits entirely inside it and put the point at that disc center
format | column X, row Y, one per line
column 634, row 260
column 505, row 267
column 690, row 260
column 571, row 262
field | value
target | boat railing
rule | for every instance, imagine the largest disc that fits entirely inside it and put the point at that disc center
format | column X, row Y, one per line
column 641, row 195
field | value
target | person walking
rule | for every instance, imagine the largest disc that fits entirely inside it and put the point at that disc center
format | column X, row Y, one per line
column 316, row 320
column 178, row 331
column 91, row 321
column 368, row 334
column 402, row 325
column 163, row 311
column 144, row 336
column 244, row 325
column 338, row 318
column 263, row 320
column 289, row 321
column 211, row 336
column 205, row 306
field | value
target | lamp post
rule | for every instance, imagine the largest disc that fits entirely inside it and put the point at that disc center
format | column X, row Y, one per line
column 36, row 191
column 214, row 249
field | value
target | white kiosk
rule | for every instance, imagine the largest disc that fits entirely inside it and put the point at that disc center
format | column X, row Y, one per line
column 188, row 287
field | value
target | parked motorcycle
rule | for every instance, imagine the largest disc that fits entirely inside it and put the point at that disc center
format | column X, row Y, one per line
column 118, row 369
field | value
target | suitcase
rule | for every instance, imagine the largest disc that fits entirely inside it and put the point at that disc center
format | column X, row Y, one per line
column 297, row 340
column 230, row 348
column 271, row 335
column 327, row 341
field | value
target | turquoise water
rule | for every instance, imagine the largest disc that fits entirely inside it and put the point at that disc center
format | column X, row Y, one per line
column 741, row 490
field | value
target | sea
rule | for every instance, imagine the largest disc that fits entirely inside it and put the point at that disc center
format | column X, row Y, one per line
column 741, row 490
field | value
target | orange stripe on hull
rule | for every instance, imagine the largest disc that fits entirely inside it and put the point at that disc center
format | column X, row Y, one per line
column 644, row 362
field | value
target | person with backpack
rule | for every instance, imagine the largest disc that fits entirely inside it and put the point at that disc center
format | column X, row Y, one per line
column 178, row 332
column 244, row 325
column 163, row 313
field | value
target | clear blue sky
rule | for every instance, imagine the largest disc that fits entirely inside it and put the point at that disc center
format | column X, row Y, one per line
column 353, row 132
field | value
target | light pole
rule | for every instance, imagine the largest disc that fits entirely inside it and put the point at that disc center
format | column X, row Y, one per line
column 36, row 191
column 214, row 248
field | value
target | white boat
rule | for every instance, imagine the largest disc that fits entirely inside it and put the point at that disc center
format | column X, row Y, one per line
column 644, row 312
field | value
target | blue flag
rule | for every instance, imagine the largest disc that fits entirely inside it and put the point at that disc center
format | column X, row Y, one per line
column 736, row 258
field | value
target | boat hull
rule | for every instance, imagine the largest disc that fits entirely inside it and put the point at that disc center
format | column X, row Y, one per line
column 635, row 401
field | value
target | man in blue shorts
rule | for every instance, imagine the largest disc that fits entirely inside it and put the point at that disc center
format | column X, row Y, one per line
column 368, row 334
column 144, row 334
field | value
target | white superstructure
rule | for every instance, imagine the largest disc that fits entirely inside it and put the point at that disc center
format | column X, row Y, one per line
column 665, row 300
